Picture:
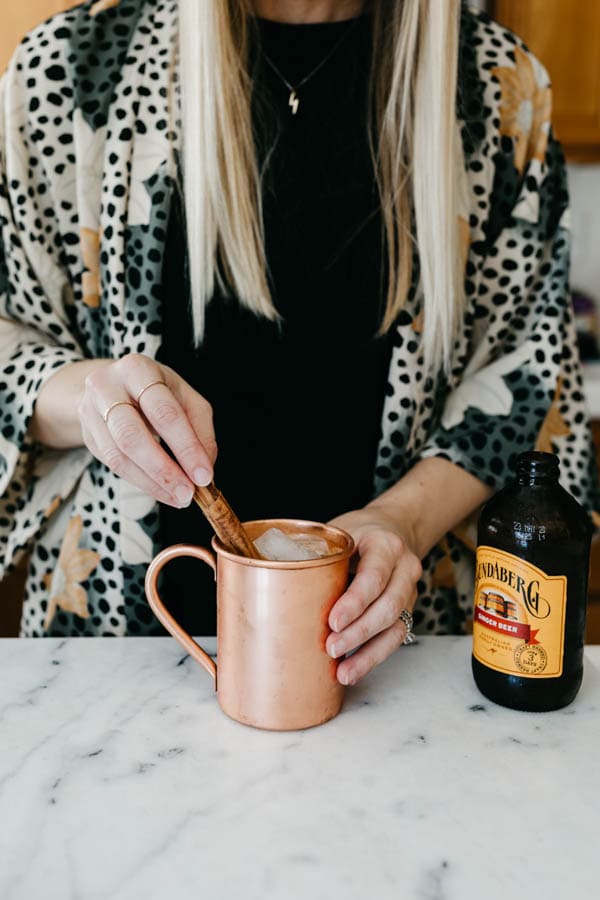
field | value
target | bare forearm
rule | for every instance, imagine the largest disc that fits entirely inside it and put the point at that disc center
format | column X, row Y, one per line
column 55, row 421
column 430, row 500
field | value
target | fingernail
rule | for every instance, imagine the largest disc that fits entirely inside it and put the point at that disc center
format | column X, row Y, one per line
column 343, row 678
column 202, row 477
column 340, row 623
column 336, row 650
column 183, row 494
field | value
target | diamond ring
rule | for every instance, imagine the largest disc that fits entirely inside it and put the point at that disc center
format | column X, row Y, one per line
column 407, row 620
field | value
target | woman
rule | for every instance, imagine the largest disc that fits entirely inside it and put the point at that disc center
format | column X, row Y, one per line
column 378, row 316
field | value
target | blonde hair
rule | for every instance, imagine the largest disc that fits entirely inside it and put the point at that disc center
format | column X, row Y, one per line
column 414, row 146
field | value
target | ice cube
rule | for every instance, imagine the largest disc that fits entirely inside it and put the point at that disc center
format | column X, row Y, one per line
column 275, row 545
column 317, row 547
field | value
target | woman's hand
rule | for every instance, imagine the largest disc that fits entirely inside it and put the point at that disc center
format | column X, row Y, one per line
column 125, row 438
column 367, row 615
column 393, row 533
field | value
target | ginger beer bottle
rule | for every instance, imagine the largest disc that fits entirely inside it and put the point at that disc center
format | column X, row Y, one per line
column 533, row 547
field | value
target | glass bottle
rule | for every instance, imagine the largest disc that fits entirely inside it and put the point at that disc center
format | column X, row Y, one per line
column 533, row 547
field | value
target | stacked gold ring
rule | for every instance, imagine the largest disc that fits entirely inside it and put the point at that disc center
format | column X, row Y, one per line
column 129, row 402
column 144, row 389
column 113, row 406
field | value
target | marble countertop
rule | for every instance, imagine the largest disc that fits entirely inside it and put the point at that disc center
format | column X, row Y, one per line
column 120, row 779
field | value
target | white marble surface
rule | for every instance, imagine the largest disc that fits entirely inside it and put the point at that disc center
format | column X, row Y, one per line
column 120, row 779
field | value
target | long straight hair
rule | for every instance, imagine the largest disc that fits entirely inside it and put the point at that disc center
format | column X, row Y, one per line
column 413, row 138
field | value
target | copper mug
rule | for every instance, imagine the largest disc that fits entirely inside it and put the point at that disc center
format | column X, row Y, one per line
column 272, row 669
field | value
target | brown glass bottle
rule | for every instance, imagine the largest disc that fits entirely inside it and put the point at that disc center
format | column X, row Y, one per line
column 528, row 624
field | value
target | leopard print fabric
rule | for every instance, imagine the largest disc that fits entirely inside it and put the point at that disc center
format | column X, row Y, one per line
column 87, row 142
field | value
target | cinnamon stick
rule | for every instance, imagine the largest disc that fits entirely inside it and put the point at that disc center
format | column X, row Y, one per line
column 226, row 524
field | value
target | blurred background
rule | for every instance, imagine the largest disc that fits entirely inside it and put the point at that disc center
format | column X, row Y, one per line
column 565, row 35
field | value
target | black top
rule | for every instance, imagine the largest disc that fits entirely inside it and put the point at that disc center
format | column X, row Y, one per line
column 297, row 405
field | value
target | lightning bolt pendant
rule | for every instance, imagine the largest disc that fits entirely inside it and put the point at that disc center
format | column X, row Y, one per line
column 294, row 102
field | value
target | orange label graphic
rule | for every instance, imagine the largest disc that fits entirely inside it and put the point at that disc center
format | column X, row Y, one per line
column 519, row 618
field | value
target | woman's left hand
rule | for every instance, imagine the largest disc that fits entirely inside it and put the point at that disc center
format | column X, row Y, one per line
column 367, row 615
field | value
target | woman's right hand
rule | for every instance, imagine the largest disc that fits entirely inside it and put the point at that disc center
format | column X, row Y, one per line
column 126, row 438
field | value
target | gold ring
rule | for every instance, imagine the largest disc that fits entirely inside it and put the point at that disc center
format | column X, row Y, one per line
column 144, row 389
column 113, row 405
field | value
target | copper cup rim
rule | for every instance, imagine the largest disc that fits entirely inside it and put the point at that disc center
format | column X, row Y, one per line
column 296, row 524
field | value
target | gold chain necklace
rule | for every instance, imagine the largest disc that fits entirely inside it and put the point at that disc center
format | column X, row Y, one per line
column 294, row 99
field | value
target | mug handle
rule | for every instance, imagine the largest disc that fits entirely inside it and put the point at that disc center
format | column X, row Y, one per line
column 162, row 613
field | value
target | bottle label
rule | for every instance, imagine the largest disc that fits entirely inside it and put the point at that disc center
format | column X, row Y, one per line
column 519, row 618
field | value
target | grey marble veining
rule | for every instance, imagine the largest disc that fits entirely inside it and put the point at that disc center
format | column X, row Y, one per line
column 121, row 779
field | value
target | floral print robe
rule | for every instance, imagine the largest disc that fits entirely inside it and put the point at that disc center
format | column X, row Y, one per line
column 87, row 142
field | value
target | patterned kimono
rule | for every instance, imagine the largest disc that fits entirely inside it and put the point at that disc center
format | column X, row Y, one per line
column 88, row 132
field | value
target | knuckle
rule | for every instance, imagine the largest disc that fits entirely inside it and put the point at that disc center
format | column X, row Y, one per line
column 114, row 459
column 396, row 543
column 202, row 419
column 363, row 632
column 353, row 605
column 131, row 362
column 126, row 436
column 92, row 381
column 377, row 580
column 201, row 413
column 165, row 413
column 187, row 453
column 208, row 409
column 163, row 475
column 211, row 449
column 417, row 568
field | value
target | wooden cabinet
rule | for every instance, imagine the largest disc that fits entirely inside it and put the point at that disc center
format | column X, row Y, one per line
column 565, row 35
column 16, row 19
